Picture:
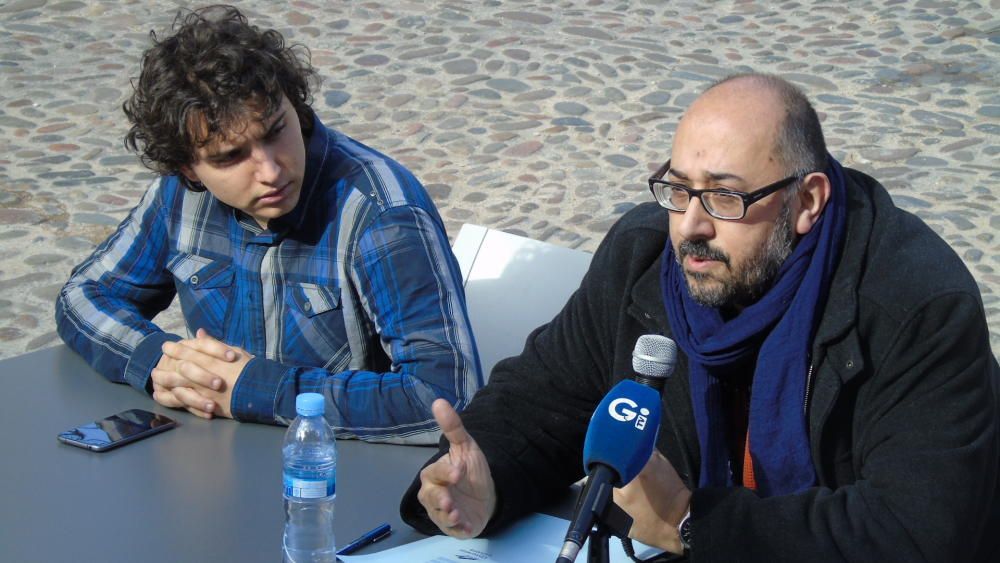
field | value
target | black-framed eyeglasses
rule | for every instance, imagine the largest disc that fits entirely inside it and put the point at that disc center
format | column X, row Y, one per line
column 720, row 203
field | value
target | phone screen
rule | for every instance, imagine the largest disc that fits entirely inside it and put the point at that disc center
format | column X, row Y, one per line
column 115, row 430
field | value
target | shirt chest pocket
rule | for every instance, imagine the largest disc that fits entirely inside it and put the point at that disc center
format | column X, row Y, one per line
column 204, row 287
column 199, row 272
column 319, row 322
column 310, row 299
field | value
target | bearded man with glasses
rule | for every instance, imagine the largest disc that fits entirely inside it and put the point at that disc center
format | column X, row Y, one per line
column 835, row 399
column 752, row 280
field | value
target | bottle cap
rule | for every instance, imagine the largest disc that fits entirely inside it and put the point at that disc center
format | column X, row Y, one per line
column 310, row 404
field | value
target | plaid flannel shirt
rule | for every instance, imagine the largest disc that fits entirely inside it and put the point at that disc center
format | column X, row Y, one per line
column 354, row 294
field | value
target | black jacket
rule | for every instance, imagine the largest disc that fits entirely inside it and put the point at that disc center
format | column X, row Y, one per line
column 903, row 403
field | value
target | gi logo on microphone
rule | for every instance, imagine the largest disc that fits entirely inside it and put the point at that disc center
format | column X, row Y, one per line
column 626, row 414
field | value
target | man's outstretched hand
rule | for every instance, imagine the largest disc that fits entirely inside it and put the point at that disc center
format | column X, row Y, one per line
column 457, row 490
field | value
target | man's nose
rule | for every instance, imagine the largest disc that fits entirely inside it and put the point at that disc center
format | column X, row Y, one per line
column 695, row 222
column 268, row 169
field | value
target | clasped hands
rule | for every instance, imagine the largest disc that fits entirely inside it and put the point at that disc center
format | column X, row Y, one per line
column 459, row 494
column 198, row 374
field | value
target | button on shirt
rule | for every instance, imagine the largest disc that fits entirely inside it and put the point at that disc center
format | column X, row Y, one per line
column 354, row 294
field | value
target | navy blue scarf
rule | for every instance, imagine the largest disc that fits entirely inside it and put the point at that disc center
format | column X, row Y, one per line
column 786, row 319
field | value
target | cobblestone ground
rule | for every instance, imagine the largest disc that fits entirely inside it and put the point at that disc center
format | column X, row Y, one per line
column 539, row 118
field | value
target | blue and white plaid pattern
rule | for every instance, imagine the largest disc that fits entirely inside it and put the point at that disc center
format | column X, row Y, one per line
column 354, row 294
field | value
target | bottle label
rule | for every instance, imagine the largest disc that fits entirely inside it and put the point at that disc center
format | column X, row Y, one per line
column 309, row 488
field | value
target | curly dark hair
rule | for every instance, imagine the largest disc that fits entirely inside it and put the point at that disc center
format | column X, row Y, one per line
column 214, row 73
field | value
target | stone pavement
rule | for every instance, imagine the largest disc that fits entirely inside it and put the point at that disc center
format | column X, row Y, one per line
column 540, row 118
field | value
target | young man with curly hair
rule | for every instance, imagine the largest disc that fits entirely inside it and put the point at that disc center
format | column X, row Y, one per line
column 303, row 259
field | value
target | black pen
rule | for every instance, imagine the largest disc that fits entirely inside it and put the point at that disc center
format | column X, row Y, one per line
column 367, row 538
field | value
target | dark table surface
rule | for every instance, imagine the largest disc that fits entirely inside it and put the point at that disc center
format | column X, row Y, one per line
column 208, row 490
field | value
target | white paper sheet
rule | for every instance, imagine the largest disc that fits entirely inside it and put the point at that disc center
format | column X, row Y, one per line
column 535, row 538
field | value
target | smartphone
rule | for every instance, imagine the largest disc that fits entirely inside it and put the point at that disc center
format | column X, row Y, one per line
column 117, row 430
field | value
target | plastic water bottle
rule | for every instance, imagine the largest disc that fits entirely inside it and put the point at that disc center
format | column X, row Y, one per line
column 310, row 468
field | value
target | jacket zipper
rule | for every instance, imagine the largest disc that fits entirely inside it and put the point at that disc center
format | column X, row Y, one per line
column 809, row 376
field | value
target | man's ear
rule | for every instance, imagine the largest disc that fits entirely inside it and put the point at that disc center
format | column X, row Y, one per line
column 812, row 199
column 188, row 173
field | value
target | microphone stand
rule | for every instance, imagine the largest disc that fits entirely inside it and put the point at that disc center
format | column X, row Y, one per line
column 610, row 521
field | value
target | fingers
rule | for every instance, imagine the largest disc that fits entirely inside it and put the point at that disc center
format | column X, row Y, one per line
column 435, row 494
column 194, row 365
column 165, row 397
column 186, row 374
column 205, row 344
column 450, row 423
column 174, row 390
column 460, row 529
column 167, row 363
column 443, row 472
column 442, row 510
column 168, row 398
column 199, row 375
column 194, row 402
column 167, row 379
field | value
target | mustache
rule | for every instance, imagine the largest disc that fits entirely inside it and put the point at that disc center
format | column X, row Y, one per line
column 700, row 249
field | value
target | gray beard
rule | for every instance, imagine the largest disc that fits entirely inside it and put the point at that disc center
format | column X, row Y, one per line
column 749, row 282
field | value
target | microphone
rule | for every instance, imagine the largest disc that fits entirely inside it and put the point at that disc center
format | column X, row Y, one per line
column 621, row 436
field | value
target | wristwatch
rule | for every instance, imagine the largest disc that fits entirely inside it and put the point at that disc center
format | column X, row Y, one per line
column 684, row 531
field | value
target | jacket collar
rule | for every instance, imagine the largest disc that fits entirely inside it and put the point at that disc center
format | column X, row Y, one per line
column 647, row 299
column 842, row 304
